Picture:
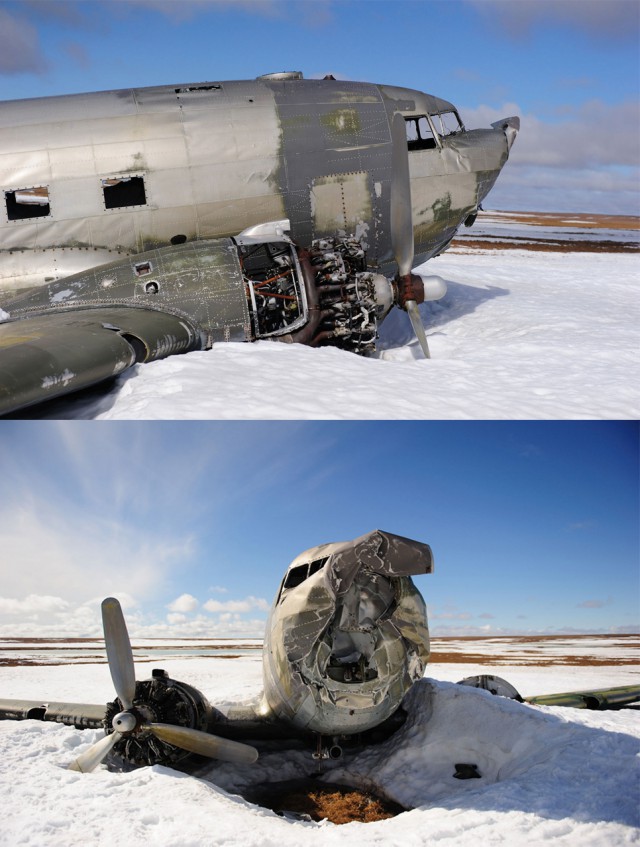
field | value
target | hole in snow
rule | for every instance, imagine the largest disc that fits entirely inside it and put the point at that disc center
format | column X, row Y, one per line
column 310, row 799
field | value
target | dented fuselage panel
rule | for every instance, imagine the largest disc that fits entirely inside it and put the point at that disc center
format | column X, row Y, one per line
column 89, row 175
column 348, row 634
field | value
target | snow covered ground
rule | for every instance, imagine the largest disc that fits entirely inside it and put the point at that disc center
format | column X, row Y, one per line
column 521, row 334
column 548, row 776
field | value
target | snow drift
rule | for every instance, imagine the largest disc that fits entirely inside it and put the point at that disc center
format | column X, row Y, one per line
column 547, row 775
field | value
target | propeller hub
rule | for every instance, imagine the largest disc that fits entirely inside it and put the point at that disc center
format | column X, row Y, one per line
column 408, row 287
column 124, row 722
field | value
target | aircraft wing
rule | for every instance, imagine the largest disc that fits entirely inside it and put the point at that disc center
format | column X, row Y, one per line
column 52, row 354
column 80, row 715
column 602, row 698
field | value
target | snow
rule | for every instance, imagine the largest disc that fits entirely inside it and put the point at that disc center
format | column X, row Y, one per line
column 556, row 776
column 519, row 335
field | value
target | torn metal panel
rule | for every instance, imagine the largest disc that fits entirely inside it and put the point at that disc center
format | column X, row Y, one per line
column 349, row 633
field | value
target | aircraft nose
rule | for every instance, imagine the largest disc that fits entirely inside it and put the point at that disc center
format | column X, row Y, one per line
column 511, row 127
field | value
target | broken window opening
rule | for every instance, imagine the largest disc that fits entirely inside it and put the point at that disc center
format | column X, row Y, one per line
column 189, row 88
column 447, row 123
column 419, row 133
column 26, row 203
column 122, row 191
column 296, row 576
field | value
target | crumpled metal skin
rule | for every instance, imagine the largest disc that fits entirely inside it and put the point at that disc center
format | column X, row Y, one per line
column 361, row 609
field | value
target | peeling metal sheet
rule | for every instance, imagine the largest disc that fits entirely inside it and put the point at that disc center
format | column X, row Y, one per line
column 349, row 638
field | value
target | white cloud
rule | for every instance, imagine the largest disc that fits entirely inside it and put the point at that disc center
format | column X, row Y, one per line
column 34, row 603
column 54, row 549
column 183, row 603
column 176, row 618
column 240, row 606
column 585, row 160
column 593, row 134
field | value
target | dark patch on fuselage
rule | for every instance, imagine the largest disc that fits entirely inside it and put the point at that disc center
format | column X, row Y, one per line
column 320, row 140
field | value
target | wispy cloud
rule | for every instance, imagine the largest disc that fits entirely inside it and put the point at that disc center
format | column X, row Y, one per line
column 601, row 20
column 186, row 10
column 20, row 49
column 595, row 604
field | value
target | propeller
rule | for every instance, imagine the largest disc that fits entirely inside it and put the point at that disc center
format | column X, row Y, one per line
column 402, row 226
column 129, row 721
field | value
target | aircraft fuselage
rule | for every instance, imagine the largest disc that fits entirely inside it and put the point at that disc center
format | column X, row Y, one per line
column 87, row 178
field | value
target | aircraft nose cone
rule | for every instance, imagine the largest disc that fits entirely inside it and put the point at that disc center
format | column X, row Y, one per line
column 511, row 127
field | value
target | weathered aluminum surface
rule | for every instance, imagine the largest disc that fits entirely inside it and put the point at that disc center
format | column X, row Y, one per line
column 201, row 281
column 93, row 325
column 219, row 157
column 359, row 609
column 81, row 715
column 57, row 353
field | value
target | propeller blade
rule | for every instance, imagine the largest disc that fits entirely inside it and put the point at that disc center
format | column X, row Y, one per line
column 401, row 214
column 91, row 758
column 418, row 326
column 119, row 653
column 204, row 744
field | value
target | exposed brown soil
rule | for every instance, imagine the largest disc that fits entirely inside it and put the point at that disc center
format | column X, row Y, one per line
column 538, row 661
column 337, row 807
column 544, row 245
column 577, row 219
column 529, row 650
column 553, row 245
column 92, row 660
column 517, row 650
column 319, row 801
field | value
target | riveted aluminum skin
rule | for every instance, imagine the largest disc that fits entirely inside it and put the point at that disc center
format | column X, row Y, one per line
column 216, row 158
column 93, row 325
column 347, row 642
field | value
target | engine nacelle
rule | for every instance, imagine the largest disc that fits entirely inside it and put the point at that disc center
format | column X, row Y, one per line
column 161, row 700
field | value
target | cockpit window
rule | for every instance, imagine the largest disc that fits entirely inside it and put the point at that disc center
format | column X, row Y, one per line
column 419, row 133
column 447, row 123
column 296, row 576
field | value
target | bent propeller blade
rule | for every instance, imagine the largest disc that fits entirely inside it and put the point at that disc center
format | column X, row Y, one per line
column 206, row 745
column 119, row 653
column 418, row 327
column 91, row 758
column 401, row 214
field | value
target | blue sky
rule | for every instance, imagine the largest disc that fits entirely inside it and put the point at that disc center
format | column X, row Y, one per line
column 534, row 526
column 569, row 68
